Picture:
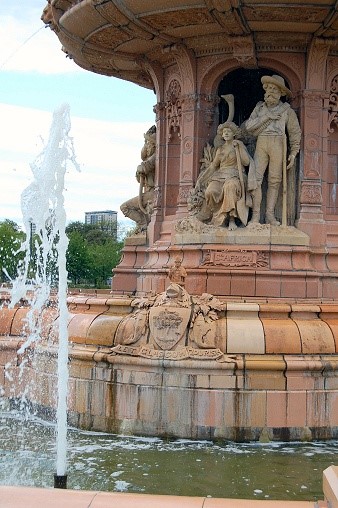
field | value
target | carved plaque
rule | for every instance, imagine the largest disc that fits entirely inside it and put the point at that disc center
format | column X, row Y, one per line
column 167, row 327
column 236, row 258
column 183, row 353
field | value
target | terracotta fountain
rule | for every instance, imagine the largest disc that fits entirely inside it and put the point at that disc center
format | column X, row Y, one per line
column 222, row 321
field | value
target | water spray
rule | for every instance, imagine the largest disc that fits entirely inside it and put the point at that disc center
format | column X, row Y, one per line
column 42, row 204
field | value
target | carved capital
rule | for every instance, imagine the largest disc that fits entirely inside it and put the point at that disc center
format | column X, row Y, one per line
column 313, row 98
column 159, row 109
column 190, row 101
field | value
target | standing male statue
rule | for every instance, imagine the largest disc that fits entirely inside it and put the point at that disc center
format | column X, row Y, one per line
column 269, row 122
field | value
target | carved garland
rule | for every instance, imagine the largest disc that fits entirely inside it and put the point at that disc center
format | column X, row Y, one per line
column 173, row 106
column 333, row 105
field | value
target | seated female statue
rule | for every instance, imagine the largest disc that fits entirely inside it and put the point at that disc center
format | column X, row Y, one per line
column 225, row 194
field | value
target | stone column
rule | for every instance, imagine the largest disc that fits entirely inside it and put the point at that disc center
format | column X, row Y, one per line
column 198, row 113
column 314, row 120
column 154, row 227
column 311, row 196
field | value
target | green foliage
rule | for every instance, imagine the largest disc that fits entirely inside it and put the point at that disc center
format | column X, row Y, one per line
column 10, row 241
column 92, row 254
column 78, row 257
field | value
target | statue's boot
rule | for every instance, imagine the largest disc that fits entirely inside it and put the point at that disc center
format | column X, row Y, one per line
column 256, row 206
column 271, row 200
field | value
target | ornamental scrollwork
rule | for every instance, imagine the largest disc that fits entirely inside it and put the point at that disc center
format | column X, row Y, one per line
column 173, row 106
column 333, row 105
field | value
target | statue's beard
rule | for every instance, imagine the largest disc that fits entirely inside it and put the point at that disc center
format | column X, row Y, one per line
column 271, row 99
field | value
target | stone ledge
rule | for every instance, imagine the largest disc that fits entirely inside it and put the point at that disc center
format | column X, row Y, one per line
column 29, row 497
column 330, row 486
column 259, row 235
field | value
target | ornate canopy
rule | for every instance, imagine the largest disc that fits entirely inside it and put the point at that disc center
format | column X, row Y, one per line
column 112, row 37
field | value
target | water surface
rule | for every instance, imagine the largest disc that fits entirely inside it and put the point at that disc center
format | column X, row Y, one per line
column 97, row 461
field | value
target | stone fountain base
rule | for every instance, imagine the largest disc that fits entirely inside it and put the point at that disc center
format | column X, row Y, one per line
column 271, row 373
column 259, row 261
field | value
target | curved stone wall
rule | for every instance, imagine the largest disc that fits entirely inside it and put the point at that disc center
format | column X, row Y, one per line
column 274, row 378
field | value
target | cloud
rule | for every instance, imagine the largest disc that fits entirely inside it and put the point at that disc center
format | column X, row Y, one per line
column 108, row 153
column 27, row 45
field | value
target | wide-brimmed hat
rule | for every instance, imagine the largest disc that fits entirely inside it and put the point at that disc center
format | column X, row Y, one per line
column 278, row 81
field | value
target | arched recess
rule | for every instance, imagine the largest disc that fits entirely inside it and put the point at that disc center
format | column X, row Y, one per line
column 210, row 82
column 245, row 84
column 246, row 87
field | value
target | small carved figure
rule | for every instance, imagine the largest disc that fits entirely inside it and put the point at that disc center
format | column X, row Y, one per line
column 139, row 208
column 269, row 122
column 225, row 181
column 177, row 272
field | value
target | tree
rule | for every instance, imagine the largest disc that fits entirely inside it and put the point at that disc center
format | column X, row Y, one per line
column 92, row 254
column 104, row 257
column 11, row 238
column 78, row 258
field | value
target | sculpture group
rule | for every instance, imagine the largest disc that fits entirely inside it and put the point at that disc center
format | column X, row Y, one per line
column 172, row 325
column 230, row 180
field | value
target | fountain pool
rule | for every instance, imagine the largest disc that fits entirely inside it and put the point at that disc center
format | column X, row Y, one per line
column 99, row 461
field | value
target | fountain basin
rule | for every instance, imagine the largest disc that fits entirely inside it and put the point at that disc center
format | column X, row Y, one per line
column 273, row 375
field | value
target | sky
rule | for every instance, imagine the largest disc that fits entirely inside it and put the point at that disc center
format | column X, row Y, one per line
column 108, row 118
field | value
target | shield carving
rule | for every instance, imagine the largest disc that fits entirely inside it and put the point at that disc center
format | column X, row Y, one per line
column 168, row 325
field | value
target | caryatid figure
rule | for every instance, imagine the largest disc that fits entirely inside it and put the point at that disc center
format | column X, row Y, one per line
column 269, row 122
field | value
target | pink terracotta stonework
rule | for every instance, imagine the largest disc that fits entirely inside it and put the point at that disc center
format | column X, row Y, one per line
column 191, row 55
column 220, row 323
